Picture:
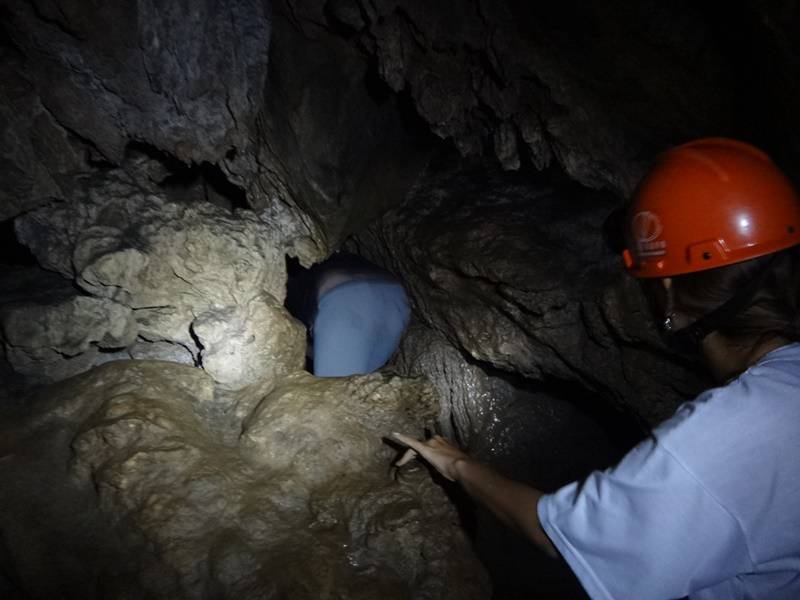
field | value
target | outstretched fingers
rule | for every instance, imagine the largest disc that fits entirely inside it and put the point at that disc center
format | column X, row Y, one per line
column 415, row 448
column 407, row 457
column 437, row 451
column 408, row 441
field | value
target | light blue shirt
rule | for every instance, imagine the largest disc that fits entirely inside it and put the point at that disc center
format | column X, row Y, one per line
column 708, row 507
column 358, row 326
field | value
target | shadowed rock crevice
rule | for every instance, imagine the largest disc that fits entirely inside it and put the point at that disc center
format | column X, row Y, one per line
column 544, row 433
column 12, row 253
column 194, row 182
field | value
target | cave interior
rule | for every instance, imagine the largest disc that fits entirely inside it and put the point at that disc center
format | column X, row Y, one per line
column 166, row 167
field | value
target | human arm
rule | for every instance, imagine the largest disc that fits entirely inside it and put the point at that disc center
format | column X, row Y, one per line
column 512, row 502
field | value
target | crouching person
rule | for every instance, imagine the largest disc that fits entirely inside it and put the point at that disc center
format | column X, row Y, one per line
column 355, row 311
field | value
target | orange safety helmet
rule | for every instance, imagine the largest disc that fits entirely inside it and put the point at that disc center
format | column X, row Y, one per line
column 706, row 204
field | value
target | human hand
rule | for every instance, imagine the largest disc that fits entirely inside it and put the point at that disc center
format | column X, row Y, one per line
column 437, row 451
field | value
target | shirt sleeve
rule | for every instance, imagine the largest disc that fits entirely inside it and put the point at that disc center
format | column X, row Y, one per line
column 644, row 529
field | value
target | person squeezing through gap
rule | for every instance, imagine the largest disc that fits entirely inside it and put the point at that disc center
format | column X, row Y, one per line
column 355, row 313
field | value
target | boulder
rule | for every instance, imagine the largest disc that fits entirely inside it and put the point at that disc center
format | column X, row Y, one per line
column 242, row 345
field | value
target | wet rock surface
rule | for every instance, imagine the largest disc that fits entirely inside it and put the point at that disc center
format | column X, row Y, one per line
column 507, row 420
column 521, row 278
column 545, row 435
column 295, row 502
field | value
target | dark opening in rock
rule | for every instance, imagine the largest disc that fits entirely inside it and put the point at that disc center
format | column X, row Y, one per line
column 12, row 252
column 205, row 179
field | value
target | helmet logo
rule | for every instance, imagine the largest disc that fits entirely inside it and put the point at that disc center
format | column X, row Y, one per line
column 647, row 229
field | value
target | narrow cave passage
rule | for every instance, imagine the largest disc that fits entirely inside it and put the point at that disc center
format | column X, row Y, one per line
column 165, row 168
column 470, row 247
column 12, row 252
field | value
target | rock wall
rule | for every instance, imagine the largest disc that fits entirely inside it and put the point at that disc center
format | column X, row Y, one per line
column 593, row 89
column 191, row 283
column 332, row 144
column 87, row 80
column 331, row 129
column 519, row 276
column 86, row 86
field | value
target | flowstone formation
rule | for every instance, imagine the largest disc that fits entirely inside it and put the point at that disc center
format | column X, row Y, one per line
column 153, row 482
column 234, row 474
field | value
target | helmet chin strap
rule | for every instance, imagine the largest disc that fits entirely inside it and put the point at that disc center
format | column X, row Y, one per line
column 689, row 338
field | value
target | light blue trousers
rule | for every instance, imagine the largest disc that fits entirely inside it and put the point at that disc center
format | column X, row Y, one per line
column 358, row 326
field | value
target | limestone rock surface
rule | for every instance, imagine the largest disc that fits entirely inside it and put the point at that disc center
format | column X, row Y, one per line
column 594, row 90
column 358, row 91
column 43, row 341
column 548, row 83
column 91, row 79
column 194, row 279
column 521, row 279
column 301, row 505
column 245, row 344
column 544, row 435
column 333, row 147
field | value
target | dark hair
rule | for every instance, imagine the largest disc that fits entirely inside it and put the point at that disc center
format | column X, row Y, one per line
column 774, row 310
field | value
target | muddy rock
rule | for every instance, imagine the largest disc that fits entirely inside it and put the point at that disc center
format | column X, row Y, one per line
column 301, row 503
column 303, row 412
